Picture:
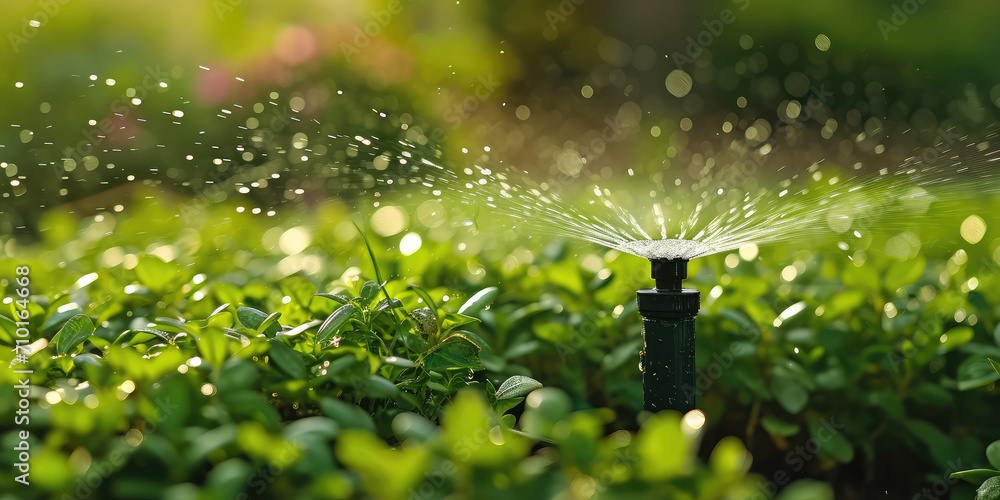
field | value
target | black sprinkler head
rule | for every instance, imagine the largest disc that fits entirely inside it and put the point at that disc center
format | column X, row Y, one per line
column 667, row 359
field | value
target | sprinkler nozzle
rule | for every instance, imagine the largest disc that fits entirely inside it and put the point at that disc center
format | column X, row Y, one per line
column 669, row 273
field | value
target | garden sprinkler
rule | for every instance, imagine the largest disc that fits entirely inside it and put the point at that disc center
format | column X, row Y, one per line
column 667, row 360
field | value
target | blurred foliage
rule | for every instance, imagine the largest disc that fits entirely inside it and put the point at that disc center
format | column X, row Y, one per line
column 230, row 373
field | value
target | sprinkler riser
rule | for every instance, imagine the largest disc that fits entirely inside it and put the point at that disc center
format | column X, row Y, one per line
column 668, row 313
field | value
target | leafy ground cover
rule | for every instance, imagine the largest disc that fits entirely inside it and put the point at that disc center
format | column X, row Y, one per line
column 245, row 356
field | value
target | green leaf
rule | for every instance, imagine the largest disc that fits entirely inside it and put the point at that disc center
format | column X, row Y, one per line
column 831, row 441
column 156, row 274
column 779, row 427
column 975, row 476
column 476, row 339
column 976, row 371
column 480, row 301
column 298, row 288
column 428, row 301
column 141, row 336
column 622, row 354
column 334, row 322
column 957, row 337
column 369, row 290
column 343, row 299
column 993, row 454
column 83, row 360
column 347, row 415
column 662, row 447
column 517, row 385
column 376, row 386
column 452, row 321
column 504, row 405
column 287, row 359
column 8, row 329
column 270, row 321
column 904, row 273
column 989, row 490
column 73, row 333
column 455, row 352
column 299, row 329
column 254, row 319
column 807, row 489
column 789, row 393
column 996, row 367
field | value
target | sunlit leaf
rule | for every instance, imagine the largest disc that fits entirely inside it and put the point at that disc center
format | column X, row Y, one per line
column 73, row 333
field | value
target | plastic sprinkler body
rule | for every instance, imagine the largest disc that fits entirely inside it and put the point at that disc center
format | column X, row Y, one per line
column 668, row 312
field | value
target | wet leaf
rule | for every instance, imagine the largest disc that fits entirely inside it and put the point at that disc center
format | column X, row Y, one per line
column 73, row 333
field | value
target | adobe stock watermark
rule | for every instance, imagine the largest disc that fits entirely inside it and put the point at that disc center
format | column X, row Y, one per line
column 797, row 458
column 940, row 488
column 155, row 80
column 736, row 173
column 705, row 378
column 464, row 107
column 900, row 15
column 99, row 471
column 438, row 478
column 267, row 474
column 558, row 15
column 221, row 176
column 705, row 38
column 363, row 35
column 944, row 141
column 571, row 163
column 224, row 7
column 47, row 9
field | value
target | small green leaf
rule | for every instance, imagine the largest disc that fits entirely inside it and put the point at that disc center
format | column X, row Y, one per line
column 426, row 297
column 976, row 371
column 779, row 427
column 156, row 274
column 904, row 273
column 831, row 441
column 286, row 359
column 504, row 405
column 7, row 329
column 219, row 309
column 83, row 360
column 975, row 476
column 957, row 337
column 254, row 319
column 789, row 393
column 376, row 386
column 271, row 320
column 369, row 290
column 807, row 489
column 299, row 329
column 343, row 299
column 347, row 415
column 993, row 454
column 334, row 322
column 995, row 366
column 401, row 362
column 73, row 333
column 480, row 301
column 518, row 385
column 452, row 321
column 453, row 353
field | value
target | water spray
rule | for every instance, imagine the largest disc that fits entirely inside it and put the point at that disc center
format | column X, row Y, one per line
column 667, row 360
